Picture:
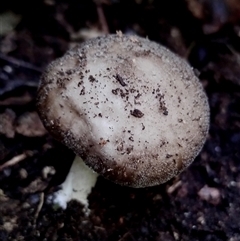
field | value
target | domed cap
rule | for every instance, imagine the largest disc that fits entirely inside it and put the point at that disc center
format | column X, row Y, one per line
column 134, row 111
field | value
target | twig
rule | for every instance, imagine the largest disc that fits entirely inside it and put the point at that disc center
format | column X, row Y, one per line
column 20, row 63
column 101, row 17
column 39, row 207
column 13, row 161
column 174, row 187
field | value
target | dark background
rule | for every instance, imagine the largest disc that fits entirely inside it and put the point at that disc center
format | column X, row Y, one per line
column 202, row 203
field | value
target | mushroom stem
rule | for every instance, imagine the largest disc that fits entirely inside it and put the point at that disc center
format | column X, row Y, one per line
column 78, row 184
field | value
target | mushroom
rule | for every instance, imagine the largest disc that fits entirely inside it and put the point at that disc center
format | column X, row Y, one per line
column 132, row 110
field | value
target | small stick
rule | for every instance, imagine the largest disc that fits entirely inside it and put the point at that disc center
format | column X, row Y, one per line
column 13, row 161
column 101, row 17
column 39, row 207
column 20, row 63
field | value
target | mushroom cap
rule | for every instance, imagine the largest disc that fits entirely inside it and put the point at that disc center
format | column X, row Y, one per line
column 134, row 111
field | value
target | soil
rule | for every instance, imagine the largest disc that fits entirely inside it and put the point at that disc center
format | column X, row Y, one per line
column 202, row 203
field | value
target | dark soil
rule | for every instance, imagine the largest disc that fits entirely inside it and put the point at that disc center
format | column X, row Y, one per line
column 202, row 203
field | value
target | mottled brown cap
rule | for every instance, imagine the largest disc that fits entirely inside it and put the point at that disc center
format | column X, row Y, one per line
column 134, row 111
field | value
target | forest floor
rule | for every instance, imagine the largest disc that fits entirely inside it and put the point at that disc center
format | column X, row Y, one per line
column 202, row 203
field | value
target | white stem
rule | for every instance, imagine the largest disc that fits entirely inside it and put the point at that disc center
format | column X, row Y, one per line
column 77, row 185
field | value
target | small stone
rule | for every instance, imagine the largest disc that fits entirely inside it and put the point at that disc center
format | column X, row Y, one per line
column 48, row 171
column 23, row 173
column 210, row 194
